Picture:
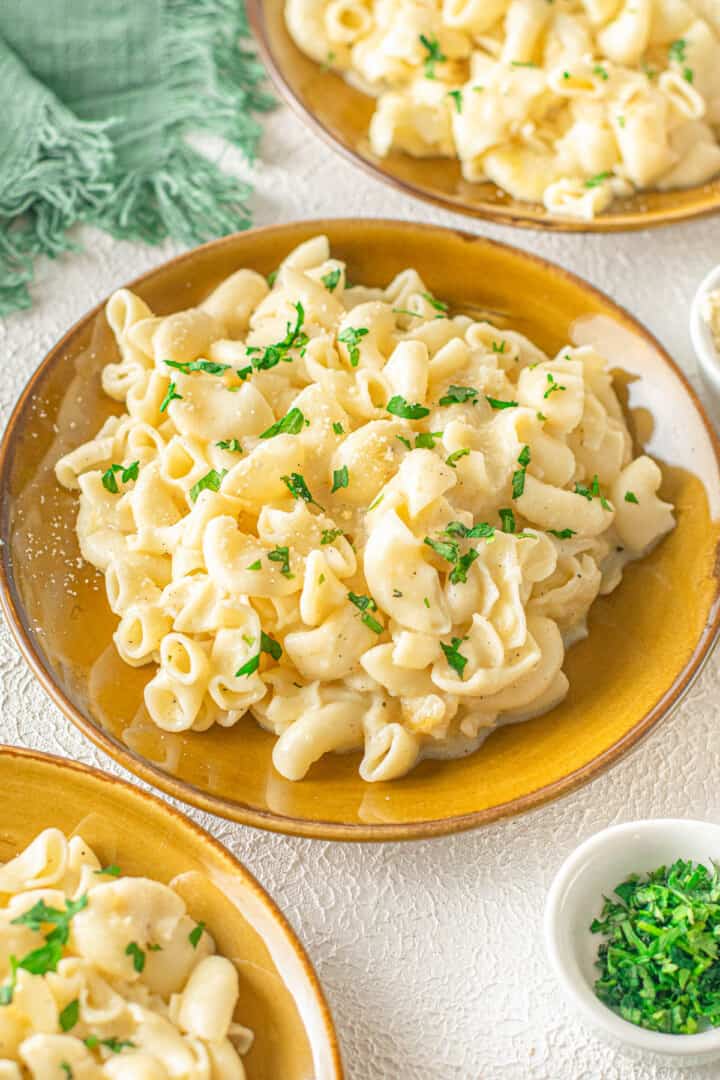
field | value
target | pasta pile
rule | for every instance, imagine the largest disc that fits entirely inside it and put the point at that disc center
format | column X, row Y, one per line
column 565, row 102
column 369, row 522
column 105, row 977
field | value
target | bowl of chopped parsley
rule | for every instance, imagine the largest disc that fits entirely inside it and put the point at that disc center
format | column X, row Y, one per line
column 632, row 929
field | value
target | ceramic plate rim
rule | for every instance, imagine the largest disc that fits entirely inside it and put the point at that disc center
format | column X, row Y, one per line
column 510, row 217
column 235, row 866
column 13, row 609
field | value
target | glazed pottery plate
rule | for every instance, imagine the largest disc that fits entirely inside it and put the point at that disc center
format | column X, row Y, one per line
column 647, row 639
column 280, row 997
column 341, row 114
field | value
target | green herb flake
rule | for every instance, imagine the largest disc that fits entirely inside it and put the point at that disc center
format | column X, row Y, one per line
column 331, row 279
column 270, row 646
column 455, row 456
column 138, row 956
column 426, row 440
column 272, row 355
column 171, row 395
column 562, row 534
column 67, row 1069
column 230, row 444
column 457, row 97
column 249, row 667
column 434, row 54
column 433, row 301
column 257, row 565
column 481, row 531
column 454, row 657
column 404, row 441
column 328, row 535
column 631, row 497
column 659, row 963
column 676, row 50
column 290, row 424
column 341, row 479
column 458, row 395
column 116, row 1046
column 596, row 181
column 498, row 403
column 295, row 483
column 281, row 554
column 338, row 428
column 69, row 1015
column 208, row 366
column 366, row 604
column 398, row 406
column 195, row 934
column 554, row 387
column 127, row 473
column 351, row 337
column 446, row 549
column 507, row 520
column 113, row 870
column 518, row 477
column 601, row 71
column 211, row 481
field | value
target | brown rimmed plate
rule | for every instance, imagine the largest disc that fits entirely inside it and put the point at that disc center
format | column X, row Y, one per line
column 341, row 115
column 280, row 996
column 647, row 640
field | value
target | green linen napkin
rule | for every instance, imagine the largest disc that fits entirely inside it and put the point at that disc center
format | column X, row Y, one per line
column 97, row 97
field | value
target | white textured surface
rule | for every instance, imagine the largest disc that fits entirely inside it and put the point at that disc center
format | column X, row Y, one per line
column 430, row 952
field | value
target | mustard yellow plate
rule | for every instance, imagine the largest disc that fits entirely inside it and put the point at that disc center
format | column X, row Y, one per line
column 647, row 640
column 341, row 115
column 280, row 997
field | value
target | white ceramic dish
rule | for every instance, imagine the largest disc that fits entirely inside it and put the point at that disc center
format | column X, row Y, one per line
column 575, row 898
column 708, row 356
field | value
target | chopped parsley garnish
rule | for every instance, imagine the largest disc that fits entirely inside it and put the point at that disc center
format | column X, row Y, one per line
column 439, row 305
column 518, row 477
column 338, row 428
column 273, row 354
column 109, row 479
column 446, row 549
column 195, row 934
column 138, row 956
column 113, row 1044
column 541, row 417
column 593, row 492
column 426, row 602
column 631, row 497
column 457, row 97
column 601, row 71
column 366, row 604
column 46, row 957
column 398, row 406
column 404, row 441
column 341, row 479
column 499, row 348
column 171, row 395
column 66, row 1069
column 481, row 531
column 257, row 565
column 290, row 424
column 562, row 534
column 249, row 667
column 211, row 481
column 659, row 963
column 230, row 444
column 688, row 75
column 434, row 54
column 113, row 870
column 454, row 657
column 498, row 403
column 328, row 535
column 507, row 521
column 69, row 1015
column 676, row 50
column 295, row 483
column 208, row 366
column 457, row 395
column 455, row 456
column 598, row 179
column 553, row 386
column 281, row 555
column 449, row 550
column 351, row 337
column 426, row 440
column 270, row 646
column 331, row 279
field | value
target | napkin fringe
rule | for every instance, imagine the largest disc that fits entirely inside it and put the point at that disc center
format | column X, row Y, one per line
column 75, row 176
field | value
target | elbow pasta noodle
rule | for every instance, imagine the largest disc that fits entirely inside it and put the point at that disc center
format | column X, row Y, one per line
column 371, row 523
column 569, row 103
column 104, row 976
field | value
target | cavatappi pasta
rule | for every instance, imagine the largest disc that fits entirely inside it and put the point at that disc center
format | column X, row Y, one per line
column 565, row 102
column 371, row 523
column 107, row 977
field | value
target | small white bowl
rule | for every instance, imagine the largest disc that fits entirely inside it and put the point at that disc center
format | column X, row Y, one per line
column 576, row 898
column 706, row 351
